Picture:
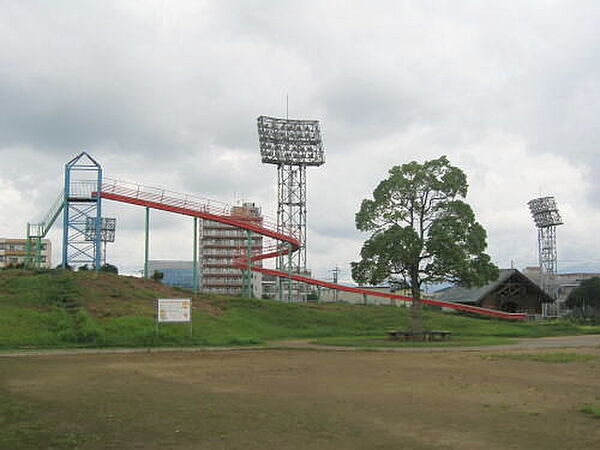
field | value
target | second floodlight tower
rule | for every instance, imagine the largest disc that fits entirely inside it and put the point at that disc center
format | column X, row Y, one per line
column 292, row 145
column 547, row 218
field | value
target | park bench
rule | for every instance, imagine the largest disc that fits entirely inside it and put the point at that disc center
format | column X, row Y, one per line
column 427, row 335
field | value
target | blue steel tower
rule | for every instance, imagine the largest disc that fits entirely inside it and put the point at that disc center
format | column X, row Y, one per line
column 82, row 212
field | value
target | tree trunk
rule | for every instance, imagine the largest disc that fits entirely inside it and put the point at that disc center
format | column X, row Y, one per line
column 416, row 322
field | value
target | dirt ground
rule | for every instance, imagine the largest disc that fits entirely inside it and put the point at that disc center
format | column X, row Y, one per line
column 299, row 399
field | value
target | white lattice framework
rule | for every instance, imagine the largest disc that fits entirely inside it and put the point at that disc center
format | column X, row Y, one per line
column 292, row 145
column 547, row 218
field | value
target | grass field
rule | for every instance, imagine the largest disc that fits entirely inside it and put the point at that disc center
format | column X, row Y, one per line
column 301, row 400
column 63, row 309
column 590, row 409
column 278, row 399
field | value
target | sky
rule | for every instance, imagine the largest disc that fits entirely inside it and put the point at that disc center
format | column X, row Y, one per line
column 167, row 94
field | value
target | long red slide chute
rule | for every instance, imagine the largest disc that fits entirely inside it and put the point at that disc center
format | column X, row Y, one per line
column 194, row 206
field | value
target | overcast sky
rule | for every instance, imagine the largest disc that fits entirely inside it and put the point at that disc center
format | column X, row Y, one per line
column 167, row 93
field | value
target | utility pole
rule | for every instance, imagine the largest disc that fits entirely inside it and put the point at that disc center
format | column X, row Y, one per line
column 336, row 273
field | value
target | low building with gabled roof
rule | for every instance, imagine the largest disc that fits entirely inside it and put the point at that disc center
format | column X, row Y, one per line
column 511, row 292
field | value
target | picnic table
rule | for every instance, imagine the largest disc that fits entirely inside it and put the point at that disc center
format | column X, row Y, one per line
column 426, row 335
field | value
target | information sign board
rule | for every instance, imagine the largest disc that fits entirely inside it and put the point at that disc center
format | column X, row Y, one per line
column 174, row 310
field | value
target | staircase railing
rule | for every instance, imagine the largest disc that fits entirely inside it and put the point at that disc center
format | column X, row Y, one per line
column 38, row 231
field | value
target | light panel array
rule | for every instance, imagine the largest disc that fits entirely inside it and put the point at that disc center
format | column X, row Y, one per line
column 290, row 141
column 544, row 211
column 108, row 227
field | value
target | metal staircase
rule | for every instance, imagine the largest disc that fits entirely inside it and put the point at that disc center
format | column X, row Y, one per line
column 38, row 231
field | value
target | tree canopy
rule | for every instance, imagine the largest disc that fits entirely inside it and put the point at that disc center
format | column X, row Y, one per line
column 586, row 297
column 422, row 231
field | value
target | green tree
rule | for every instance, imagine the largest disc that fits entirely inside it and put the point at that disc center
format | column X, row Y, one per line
column 586, row 298
column 422, row 232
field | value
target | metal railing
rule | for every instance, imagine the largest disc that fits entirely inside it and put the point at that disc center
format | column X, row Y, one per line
column 39, row 230
column 187, row 201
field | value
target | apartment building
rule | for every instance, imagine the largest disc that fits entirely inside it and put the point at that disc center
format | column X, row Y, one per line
column 14, row 251
column 220, row 244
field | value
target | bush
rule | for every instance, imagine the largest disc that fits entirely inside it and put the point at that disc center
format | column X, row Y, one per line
column 584, row 301
column 312, row 297
column 157, row 276
column 109, row 268
column 14, row 266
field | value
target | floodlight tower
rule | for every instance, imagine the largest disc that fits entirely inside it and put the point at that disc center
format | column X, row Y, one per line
column 292, row 145
column 108, row 227
column 547, row 218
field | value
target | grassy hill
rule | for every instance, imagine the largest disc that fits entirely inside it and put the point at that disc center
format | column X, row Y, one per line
column 58, row 308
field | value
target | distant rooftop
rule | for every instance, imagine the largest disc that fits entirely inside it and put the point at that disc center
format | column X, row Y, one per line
column 460, row 294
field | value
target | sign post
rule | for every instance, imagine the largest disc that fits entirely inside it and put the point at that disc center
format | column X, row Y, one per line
column 174, row 310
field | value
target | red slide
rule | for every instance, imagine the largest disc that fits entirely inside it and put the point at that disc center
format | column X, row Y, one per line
column 191, row 205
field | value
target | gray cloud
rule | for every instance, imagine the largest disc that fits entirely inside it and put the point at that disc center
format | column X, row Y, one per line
column 169, row 94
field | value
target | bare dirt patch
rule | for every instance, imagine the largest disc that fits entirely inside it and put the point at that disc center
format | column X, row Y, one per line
column 131, row 295
column 299, row 400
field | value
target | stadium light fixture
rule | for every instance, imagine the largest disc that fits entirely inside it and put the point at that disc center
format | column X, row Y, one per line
column 108, row 227
column 290, row 141
column 544, row 211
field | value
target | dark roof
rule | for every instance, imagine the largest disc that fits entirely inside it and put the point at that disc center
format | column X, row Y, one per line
column 461, row 294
